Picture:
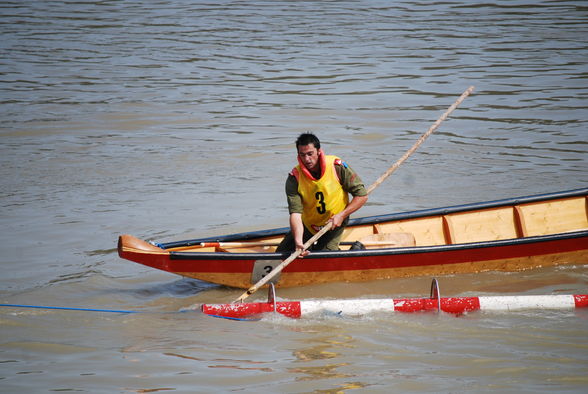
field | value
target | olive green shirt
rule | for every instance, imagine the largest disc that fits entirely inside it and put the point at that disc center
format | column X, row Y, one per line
column 350, row 181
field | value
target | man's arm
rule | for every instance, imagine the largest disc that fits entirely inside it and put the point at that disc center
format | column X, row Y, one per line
column 351, row 183
column 295, row 210
column 297, row 228
column 356, row 203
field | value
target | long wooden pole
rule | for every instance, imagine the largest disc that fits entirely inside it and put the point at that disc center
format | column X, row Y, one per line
column 371, row 188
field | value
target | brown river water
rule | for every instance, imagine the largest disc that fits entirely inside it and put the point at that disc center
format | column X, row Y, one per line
column 176, row 119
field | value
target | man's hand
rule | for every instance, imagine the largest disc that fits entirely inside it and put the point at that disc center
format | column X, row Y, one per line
column 356, row 203
column 300, row 246
column 337, row 220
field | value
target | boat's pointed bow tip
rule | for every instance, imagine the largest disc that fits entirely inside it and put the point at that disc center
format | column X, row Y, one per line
column 120, row 244
column 126, row 242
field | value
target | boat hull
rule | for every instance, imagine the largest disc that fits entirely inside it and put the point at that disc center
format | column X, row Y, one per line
column 242, row 269
column 433, row 261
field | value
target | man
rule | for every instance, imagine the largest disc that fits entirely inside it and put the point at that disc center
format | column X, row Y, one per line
column 317, row 192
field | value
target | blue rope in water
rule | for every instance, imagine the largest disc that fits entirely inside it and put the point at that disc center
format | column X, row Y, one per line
column 111, row 311
column 234, row 318
column 68, row 309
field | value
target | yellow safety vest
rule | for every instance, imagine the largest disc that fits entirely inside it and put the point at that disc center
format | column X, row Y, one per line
column 321, row 198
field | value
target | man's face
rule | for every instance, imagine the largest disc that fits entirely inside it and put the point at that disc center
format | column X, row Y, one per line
column 309, row 156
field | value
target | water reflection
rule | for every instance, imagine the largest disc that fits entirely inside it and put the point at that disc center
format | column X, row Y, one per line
column 327, row 371
column 326, row 348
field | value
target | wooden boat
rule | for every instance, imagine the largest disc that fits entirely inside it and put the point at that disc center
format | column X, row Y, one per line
column 505, row 235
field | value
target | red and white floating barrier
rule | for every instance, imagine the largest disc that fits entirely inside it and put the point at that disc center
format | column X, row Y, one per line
column 297, row 309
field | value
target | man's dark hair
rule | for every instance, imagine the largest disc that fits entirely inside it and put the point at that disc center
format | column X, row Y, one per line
column 307, row 139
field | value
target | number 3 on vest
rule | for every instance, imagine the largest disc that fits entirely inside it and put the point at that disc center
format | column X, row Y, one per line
column 321, row 208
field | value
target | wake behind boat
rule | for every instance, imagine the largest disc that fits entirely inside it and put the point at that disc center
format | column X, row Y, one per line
column 505, row 235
